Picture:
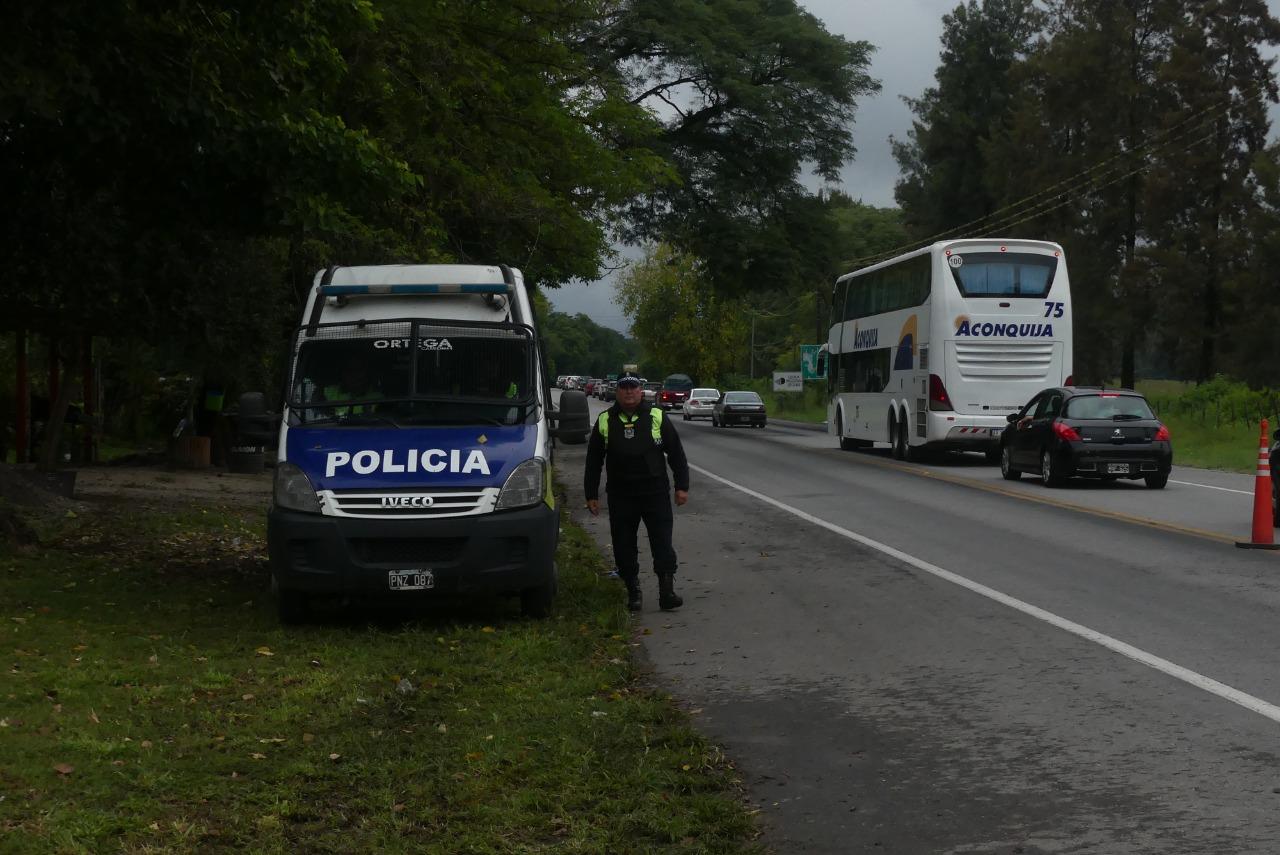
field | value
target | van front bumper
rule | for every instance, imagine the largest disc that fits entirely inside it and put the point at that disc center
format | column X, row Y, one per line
column 500, row 552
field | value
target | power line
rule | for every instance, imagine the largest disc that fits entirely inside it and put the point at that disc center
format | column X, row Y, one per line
column 1072, row 183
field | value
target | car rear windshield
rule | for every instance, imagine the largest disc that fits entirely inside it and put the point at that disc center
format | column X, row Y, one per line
column 1002, row 274
column 741, row 398
column 1124, row 407
column 678, row 383
column 704, row 393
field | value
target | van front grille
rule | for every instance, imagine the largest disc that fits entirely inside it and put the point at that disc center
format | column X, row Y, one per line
column 408, row 504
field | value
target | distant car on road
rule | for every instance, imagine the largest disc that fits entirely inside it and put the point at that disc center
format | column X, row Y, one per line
column 675, row 389
column 610, row 390
column 590, row 386
column 651, row 391
column 700, row 403
column 738, row 408
column 1086, row 431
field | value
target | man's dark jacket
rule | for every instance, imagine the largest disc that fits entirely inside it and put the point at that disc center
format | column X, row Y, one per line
column 635, row 465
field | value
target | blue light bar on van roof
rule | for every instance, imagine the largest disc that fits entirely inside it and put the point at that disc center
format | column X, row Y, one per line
column 466, row 288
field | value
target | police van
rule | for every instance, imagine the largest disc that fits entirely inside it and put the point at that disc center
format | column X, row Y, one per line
column 417, row 441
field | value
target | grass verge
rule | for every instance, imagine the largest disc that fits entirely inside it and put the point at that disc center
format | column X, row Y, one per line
column 150, row 702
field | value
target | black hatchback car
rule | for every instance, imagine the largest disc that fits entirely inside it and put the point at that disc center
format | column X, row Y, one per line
column 1081, row 430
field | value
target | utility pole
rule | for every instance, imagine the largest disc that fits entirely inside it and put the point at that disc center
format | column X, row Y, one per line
column 751, row 356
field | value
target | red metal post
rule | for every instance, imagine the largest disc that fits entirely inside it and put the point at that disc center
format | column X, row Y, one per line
column 23, row 415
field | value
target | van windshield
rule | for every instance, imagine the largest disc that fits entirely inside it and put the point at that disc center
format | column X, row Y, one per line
column 408, row 373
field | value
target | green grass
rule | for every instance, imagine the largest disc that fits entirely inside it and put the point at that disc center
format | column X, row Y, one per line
column 1213, row 425
column 150, row 702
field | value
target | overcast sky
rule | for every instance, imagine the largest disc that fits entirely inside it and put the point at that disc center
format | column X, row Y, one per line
column 906, row 35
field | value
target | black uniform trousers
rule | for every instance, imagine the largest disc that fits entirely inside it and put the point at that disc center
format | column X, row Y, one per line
column 625, row 515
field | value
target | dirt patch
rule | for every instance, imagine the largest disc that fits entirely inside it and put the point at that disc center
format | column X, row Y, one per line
column 28, row 507
column 158, row 485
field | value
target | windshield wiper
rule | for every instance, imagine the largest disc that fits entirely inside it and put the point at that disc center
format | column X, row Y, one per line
column 425, row 421
column 361, row 419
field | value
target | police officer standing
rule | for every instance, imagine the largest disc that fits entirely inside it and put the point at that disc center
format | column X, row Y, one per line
column 635, row 443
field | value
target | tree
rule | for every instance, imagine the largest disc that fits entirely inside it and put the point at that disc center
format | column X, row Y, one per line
column 944, row 161
column 1203, row 194
column 1079, row 144
column 747, row 93
column 678, row 317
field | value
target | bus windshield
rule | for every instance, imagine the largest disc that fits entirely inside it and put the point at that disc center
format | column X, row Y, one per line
column 1002, row 274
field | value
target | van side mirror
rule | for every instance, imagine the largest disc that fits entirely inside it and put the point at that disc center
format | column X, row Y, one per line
column 573, row 419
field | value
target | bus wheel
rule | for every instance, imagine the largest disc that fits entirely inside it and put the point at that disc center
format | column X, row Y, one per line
column 895, row 441
column 846, row 444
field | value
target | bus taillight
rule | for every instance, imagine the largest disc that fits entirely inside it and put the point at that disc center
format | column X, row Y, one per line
column 938, row 397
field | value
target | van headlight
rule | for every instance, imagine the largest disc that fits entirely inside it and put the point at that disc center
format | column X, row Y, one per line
column 293, row 489
column 525, row 485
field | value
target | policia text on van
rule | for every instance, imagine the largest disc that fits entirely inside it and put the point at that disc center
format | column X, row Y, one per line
column 416, row 448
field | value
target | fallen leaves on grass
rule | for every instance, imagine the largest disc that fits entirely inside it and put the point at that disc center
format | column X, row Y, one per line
column 264, row 651
column 64, row 768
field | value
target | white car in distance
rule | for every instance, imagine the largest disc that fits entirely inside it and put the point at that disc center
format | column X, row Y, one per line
column 700, row 403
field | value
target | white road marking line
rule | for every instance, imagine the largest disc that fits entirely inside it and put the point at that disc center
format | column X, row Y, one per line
column 1164, row 666
column 1211, row 487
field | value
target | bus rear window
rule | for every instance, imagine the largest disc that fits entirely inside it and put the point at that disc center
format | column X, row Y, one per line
column 1002, row 274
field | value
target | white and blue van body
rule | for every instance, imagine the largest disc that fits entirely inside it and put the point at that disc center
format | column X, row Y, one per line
column 416, row 447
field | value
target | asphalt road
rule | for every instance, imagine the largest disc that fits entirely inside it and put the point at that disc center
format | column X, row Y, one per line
column 923, row 659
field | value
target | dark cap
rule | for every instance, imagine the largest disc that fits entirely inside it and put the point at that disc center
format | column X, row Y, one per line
column 629, row 378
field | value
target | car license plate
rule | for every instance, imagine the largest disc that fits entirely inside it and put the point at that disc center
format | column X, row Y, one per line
column 1117, row 468
column 411, row 580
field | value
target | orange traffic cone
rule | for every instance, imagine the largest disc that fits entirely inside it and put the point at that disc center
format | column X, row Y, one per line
column 1263, row 529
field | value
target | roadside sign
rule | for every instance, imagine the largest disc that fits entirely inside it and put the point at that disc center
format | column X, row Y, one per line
column 810, row 366
column 787, row 381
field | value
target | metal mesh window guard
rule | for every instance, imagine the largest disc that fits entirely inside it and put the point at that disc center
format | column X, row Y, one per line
column 414, row 370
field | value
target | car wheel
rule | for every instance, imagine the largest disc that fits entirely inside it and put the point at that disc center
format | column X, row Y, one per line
column 1157, row 482
column 1007, row 470
column 1050, row 475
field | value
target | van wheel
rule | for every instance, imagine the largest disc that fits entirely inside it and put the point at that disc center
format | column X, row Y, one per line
column 536, row 602
column 292, row 607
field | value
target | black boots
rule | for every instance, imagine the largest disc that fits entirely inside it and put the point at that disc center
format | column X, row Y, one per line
column 668, row 599
column 634, row 599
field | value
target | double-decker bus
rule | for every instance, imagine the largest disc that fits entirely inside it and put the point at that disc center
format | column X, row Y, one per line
column 932, row 349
